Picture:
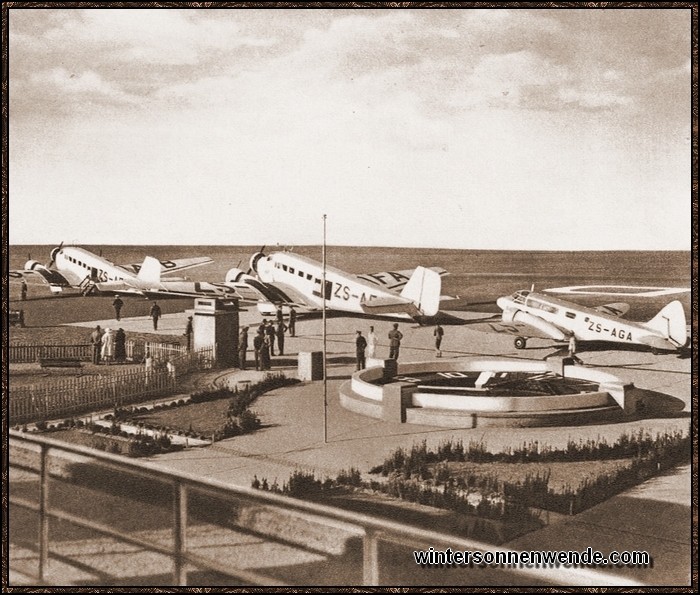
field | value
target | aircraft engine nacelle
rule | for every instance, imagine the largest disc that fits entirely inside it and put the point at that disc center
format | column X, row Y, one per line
column 235, row 275
column 33, row 265
column 541, row 325
column 255, row 260
column 509, row 315
column 262, row 265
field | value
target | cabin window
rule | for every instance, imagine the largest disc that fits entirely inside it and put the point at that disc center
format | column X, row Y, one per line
column 309, row 276
column 317, row 281
column 542, row 306
column 291, row 270
column 571, row 314
column 301, row 273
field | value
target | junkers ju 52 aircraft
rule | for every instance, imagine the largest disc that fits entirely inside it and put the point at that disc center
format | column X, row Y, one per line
column 529, row 314
column 74, row 267
column 290, row 279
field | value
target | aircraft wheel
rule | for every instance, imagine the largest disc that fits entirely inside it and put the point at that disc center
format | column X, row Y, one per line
column 520, row 342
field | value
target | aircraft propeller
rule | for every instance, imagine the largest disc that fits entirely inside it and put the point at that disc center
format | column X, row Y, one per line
column 250, row 268
column 54, row 252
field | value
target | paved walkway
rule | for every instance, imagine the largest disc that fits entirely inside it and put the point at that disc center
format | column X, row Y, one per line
column 305, row 430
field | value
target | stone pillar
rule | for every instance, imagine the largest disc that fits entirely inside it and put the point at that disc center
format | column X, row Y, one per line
column 391, row 369
column 310, row 365
column 396, row 397
column 215, row 323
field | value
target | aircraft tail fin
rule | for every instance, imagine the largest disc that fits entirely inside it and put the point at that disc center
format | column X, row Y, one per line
column 670, row 322
column 423, row 289
column 150, row 270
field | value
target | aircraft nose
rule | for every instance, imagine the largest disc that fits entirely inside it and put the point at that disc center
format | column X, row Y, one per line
column 502, row 303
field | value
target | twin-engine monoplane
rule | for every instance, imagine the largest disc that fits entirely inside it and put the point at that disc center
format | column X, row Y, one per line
column 528, row 314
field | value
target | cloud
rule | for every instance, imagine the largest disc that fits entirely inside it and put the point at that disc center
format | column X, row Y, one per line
column 154, row 36
column 86, row 84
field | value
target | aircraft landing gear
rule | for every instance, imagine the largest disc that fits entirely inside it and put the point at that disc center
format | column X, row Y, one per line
column 520, row 342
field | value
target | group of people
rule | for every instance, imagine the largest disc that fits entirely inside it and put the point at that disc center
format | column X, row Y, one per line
column 367, row 347
column 107, row 345
column 270, row 335
column 154, row 313
column 263, row 344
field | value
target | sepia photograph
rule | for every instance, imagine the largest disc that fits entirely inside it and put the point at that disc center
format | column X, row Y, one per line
column 386, row 295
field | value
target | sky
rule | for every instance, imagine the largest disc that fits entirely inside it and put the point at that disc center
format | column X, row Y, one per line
column 468, row 128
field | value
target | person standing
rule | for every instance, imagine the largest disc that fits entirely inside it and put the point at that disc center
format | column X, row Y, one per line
column 23, row 290
column 372, row 342
column 281, row 328
column 96, row 342
column 270, row 335
column 188, row 333
column 120, row 345
column 258, row 341
column 572, row 350
column 242, row 347
column 265, row 350
column 360, row 346
column 155, row 315
column 292, row 321
column 438, row 333
column 148, row 366
column 395, row 337
column 108, row 346
column 279, row 314
column 117, row 303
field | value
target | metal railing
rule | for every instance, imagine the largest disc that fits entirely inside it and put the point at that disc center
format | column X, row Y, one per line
column 338, row 539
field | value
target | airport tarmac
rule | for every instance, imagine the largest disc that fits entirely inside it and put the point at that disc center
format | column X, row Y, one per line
column 655, row 516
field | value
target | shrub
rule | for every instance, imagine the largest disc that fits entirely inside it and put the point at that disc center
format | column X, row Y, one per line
column 248, row 421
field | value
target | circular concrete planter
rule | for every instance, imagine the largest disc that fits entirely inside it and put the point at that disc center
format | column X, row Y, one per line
column 476, row 392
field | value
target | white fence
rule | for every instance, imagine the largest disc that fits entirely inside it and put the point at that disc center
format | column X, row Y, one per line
column 28, row 353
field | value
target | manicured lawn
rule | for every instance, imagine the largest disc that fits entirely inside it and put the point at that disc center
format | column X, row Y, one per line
column 201, row 418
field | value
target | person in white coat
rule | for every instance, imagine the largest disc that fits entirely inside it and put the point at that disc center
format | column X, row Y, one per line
column 108, row 346
column 372, row 342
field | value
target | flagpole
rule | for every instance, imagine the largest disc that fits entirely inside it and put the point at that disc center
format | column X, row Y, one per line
column 325, row 383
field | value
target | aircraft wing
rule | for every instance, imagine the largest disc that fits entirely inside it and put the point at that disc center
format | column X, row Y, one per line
column 518, row 329
column 172, row 266
column 617, row 309
column 280, row 294
column 55, row 280
column 179, row 289
column 395, row 280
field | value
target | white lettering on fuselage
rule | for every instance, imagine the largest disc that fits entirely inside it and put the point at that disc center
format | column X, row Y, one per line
column 619, row 333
